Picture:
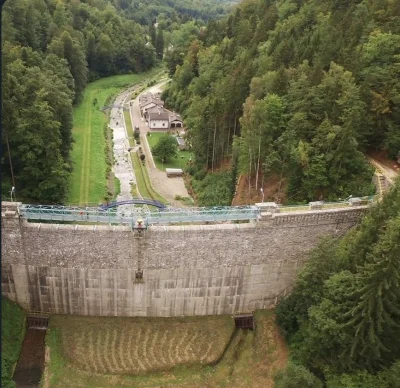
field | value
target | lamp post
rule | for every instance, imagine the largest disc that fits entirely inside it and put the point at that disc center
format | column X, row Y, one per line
column 262, row 192
column 12, row 192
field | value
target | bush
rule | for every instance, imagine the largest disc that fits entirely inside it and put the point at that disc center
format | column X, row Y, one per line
column 296, row 376
column 215, row 189
column 200, row 175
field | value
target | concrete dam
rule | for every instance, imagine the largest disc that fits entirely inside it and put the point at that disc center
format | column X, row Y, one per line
column 170, row 270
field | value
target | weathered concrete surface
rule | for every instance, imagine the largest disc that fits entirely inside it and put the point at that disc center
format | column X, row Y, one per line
column 191, row 270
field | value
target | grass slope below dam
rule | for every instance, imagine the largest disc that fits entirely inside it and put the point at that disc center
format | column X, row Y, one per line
column 12, row 335
column 89, row 176
column 191, row 352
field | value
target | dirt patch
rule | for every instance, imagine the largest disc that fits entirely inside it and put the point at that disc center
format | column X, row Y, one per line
column 248, row 194
column 381, row 157
column 31, row 362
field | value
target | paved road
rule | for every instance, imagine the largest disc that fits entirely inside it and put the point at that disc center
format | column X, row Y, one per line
column 167, row 187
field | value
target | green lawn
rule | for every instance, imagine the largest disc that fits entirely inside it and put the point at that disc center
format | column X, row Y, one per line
column 179, row 162
column 128, row 122
column 143, row 181
column 88, row 179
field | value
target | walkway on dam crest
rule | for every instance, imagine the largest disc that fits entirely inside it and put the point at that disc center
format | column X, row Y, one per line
column 169, row 215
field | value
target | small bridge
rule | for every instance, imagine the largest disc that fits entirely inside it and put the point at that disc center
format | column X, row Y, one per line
column 118, row 106
column 134, row 201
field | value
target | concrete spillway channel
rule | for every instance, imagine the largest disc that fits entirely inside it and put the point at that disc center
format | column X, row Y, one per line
column 122, row 168
column 30, row 365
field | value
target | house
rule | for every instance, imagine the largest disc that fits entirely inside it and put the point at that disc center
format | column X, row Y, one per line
column 181, row 143
column 154, row 109
column 175, row 121
column 158, row 120
column 147, row 101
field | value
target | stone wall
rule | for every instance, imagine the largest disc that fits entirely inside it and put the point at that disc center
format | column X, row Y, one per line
column 191, row 270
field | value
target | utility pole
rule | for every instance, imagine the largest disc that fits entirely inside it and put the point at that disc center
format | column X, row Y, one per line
column 11, row 167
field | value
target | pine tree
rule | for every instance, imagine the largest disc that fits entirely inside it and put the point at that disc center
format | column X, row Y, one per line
column 376, row 315
column 153, row 35
column 160, row 44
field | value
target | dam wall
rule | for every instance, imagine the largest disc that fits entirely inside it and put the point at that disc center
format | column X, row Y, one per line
column 162, row 271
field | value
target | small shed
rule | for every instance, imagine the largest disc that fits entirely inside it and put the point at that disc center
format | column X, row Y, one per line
column 171, row 172
column 175, row 121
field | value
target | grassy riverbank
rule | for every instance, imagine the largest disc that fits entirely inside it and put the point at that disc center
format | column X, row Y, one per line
column 89, row 177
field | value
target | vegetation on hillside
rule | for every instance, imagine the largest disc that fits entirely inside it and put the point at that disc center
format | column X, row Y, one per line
column 50, row 51
column 299, row 89
column 12, row 335
column 171, row 13
column 342, row 319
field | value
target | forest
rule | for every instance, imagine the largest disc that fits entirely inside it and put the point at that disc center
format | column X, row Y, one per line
column 170, row 12
column 342, row 319
column 50, row 51
column 292, row 89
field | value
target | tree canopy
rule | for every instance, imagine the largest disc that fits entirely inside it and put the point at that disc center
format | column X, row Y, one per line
column 343, row 316
column 306, row 87
column 166, row 148
column 50, row 51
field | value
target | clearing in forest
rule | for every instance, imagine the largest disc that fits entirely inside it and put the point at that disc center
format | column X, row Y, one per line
column 168, row 352
column 89, row 176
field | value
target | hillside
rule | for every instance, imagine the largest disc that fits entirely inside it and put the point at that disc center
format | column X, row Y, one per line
column 342, row 318
column 50, row 51
column 296, row 91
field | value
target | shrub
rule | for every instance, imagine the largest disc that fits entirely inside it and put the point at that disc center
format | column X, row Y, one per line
column 296, row 376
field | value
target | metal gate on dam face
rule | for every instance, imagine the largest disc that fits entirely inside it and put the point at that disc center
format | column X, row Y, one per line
column 109, row 270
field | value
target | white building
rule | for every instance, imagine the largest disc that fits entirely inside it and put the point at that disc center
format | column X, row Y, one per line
column 159, row 120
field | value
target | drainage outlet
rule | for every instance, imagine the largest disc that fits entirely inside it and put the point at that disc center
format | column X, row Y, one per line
column 244, row 321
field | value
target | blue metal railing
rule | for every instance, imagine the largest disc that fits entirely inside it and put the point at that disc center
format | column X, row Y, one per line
column 111, row 215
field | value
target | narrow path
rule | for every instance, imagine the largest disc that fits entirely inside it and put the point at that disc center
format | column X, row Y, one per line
column 389, row 173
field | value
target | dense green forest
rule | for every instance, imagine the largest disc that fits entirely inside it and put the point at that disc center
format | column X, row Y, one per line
column 50, row 51
column 171, row 13
column 342, row 319
column 294, row 89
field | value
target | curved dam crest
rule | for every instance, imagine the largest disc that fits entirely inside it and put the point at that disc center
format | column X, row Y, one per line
column 164, row 270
